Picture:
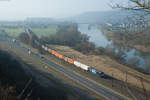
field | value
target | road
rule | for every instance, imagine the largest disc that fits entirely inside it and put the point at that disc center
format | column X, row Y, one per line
column 98, row 89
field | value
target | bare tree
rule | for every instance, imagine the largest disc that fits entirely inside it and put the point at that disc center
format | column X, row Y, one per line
column 137, row 5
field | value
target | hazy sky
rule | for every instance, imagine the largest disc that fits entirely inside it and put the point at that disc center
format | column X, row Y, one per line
column 20, row 9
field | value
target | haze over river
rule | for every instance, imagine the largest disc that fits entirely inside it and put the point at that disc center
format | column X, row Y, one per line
column 101, row 40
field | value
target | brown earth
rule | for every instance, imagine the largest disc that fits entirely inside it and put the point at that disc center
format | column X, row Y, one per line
column 108, row 66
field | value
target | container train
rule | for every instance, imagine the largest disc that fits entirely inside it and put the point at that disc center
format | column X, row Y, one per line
column 71, row 61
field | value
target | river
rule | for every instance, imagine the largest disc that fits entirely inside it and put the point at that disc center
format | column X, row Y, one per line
column 101, row 40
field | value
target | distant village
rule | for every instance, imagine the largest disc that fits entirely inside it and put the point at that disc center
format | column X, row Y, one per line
column 128, row 25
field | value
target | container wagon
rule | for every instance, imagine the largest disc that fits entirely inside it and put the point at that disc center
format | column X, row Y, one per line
column 94, row 71
column 71, row 61
column 82, row 66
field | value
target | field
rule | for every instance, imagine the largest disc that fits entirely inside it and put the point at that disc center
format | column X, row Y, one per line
column 40, row 32
column 13, row 32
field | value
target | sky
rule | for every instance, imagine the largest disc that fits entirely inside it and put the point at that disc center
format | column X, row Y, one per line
column 21, row 9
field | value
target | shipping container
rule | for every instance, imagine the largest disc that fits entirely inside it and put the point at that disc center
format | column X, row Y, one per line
column 93, row 71
column 56, row 54
column 70, row 61
column 84, row 67
column 76, row 63
column 61, row 56
column 66, row 58
column 53, row 52
column 50, row 51
column 46, row 49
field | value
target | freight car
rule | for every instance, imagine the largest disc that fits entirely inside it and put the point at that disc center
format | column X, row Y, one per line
column 101, row 74
column 82, row 66
column 94, row 71
column 71, row 61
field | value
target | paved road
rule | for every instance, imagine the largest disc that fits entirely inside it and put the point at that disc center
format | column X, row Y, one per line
column 81, row 80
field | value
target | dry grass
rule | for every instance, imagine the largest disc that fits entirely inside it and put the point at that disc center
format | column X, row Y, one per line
column 106, row 65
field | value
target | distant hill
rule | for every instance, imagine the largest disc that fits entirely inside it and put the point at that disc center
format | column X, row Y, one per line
column 116, row 16
column 39, row 19
column 98, row 17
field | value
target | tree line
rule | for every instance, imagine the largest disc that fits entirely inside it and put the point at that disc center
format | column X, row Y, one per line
column 69, row 35
column 34, row 41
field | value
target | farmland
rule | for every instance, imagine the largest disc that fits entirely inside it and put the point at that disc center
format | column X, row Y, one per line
column 13, row 32
column 40, row 32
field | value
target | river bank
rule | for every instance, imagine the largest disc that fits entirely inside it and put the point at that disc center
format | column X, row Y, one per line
column 109, row 34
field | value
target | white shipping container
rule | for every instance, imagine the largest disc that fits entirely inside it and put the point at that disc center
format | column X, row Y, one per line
column 66, row 58
column 43, row 46
column 82, row 66
column 85, row 67
column 46, row 48
column 76, row 63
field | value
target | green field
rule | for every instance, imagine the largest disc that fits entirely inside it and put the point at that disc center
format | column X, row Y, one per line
column 13, row 32
column 40, row 32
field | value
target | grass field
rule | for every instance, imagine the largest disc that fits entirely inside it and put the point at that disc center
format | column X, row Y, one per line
column 13, row 32
column 40, row 32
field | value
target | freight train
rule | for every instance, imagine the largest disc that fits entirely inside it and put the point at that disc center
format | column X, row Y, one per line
column 73, row 62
